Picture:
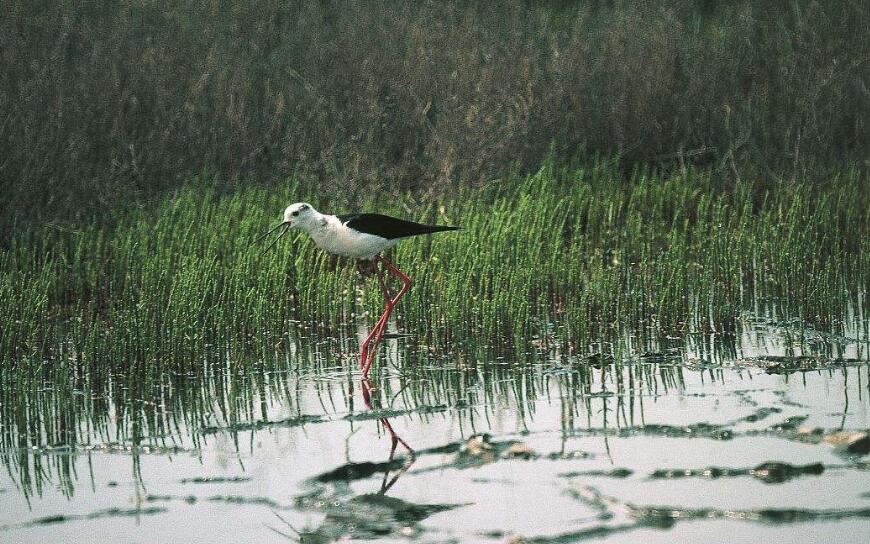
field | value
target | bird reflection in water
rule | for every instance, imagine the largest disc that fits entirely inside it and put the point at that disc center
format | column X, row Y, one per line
column 366, row 387
column 368, row 515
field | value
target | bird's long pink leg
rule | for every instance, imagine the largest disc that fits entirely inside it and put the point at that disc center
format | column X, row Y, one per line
column 377, row 330
column 377, row 333
column 406, row 281
column 369, row 345
column 366, row 387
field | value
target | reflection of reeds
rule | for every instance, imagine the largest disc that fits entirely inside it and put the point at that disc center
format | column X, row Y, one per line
column 50, row 427
column 559, row 257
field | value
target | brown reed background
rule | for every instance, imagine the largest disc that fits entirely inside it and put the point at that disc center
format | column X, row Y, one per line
column 108, row 102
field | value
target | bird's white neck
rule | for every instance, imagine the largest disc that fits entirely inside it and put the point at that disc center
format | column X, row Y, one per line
column 315, row 222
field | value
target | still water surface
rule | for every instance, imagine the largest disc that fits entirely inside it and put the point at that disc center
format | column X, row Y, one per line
column 738, row 437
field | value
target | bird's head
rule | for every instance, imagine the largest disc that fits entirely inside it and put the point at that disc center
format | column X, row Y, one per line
column 300, row 215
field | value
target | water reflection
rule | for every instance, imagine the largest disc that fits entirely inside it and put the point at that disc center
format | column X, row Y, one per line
column 288, row 434
column 366, row 515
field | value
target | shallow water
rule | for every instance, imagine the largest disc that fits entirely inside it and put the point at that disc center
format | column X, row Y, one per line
column 729, row 436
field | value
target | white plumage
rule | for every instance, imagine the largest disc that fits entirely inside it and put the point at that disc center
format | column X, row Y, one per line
column 359, row 236
column 333, row 236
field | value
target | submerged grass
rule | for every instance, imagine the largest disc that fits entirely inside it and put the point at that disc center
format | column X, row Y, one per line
column 558, row 256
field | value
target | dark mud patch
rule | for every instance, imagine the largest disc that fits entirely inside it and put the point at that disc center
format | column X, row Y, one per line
column 695, row 430
column 216, row 480
column 189, row 499
column 758, row 415
column 307, row 419
column 778, row 364
column 481, row 450
column 845, row 442
column 614, row 473
column 702, row 430
column 478, row 450
column 618, row 517
column 569, row 455
column 228, row 499
column 595, row 532
column 771, row 472
column 107, row 513
column 667, row 516
column 241, row 499
column 259, row 425
column 386, row 413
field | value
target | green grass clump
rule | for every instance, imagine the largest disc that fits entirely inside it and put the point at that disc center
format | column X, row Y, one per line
column 561, row 256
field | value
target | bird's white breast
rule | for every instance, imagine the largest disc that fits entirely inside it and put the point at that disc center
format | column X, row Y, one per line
column 334, row 237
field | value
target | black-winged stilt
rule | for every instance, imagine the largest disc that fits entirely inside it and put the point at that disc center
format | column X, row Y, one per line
column 362, row 236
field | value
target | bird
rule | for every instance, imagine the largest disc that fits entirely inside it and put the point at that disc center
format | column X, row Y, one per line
column 361, row 236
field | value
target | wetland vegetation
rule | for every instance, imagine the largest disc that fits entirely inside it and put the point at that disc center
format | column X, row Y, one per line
column 568, row 304
column 559, row 257
column 653, row 319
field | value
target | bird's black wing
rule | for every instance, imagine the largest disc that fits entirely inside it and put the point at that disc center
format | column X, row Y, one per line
column 388, row 227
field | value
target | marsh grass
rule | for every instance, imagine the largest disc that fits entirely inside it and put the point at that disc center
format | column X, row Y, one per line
column 103, row 102
column 556, row 258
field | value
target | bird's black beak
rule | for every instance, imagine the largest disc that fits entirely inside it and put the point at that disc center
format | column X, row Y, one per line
column 285, row 224
column 270, row 231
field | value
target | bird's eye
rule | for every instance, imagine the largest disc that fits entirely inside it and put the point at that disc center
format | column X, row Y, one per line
column 294, row 214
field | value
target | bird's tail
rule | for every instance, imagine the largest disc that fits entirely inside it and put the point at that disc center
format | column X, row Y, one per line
column 442, row 228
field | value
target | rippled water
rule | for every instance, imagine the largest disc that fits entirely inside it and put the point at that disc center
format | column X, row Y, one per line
column 740, row 436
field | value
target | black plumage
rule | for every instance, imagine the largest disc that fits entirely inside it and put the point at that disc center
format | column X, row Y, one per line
column 388, row 227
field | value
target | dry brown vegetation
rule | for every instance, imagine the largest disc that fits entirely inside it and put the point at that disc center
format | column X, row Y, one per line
column 103, row 101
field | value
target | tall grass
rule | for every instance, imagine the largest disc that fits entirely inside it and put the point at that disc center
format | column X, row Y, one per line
column 563, row 255
column 107, row 101
column 128, row 336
